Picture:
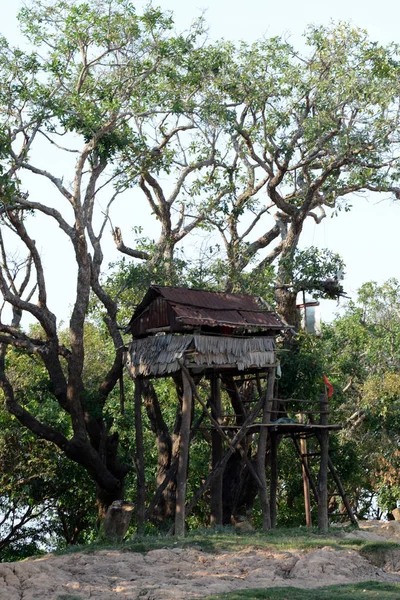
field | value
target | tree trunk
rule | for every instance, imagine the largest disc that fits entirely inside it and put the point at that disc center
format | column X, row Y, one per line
column 105, row 448
column 117, row 520
column 284, row 294
column 286, row 306
column 165, row 508
column 262, row 450
column 239, row 488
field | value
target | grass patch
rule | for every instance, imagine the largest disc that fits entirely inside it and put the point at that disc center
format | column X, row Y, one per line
column 379, row 547
column 356, row 591
column 227, row 539
column 69, row 597
column 353, row 542
column 378, row 553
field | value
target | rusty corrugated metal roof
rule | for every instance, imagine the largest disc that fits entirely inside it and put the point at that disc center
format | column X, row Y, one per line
column 193, row 307
column 229, row 318
column 208, row 299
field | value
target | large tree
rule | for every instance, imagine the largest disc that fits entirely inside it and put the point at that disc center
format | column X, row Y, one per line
column 104, row 88
column 304, row 130
column 132, row 110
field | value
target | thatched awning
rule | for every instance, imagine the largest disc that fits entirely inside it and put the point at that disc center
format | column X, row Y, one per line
column 164, row 354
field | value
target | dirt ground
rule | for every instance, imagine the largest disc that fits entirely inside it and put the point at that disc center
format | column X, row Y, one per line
column 191, row 573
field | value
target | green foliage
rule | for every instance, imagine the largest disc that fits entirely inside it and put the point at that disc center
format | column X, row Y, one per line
column 364, row 348
column 48, row 495
column 302, row 369
column 353, row 591
column 312, row 270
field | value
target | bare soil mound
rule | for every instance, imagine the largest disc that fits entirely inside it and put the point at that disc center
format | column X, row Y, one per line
column 177, row 573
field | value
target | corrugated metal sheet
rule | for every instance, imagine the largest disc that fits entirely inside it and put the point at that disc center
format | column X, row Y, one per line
column 178, row 309
column 207, row 299
column 164, row 354
column 230, row 318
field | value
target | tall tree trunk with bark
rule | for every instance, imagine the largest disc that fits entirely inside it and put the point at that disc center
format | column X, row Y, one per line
column 167, row 448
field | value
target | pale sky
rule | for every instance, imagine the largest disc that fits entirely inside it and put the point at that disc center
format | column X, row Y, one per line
column 367, row 237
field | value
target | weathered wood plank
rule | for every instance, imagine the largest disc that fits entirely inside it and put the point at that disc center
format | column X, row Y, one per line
column 140, row 474
column 183, row 457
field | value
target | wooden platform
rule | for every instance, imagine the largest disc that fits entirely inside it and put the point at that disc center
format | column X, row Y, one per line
column 286, row 427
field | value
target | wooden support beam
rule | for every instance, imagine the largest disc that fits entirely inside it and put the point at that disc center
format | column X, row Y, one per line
column 214, row 421
column 183, row 457
column 216, row 452
column 306, row 481
column 170, row 474
column 342, row 493
column 141, row 484
column 288, row 427
column 222, row 436
column 338, row 484
column 322, row 485
column 306, row 468
column 223, row 462
column 274, row 442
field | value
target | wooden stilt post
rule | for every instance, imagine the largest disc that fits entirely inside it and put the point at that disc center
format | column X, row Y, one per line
column 236, row 440
column 262, row 450
column 338, row 484
column 183, row 457
column 216, row 452
column 306, row 482
column 141, row 490
column 274, row 477
column 323, row 469
column 306, row 467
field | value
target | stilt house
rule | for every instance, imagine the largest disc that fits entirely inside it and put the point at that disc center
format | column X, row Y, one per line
column 227, row 340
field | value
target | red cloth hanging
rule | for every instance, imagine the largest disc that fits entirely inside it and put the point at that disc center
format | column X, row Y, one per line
column 329, row 386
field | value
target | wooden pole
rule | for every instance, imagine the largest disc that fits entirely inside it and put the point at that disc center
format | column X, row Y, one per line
column 217, row 468
column 342, row 493
column 183, row 457
column 223, row 462
column 339, row 485
column 141, row 489
column 306, row 469
column 274, row 477
column 262, row 450
column 323, row 469
column 170, row 474
column 306, row 482
column 216, row 453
